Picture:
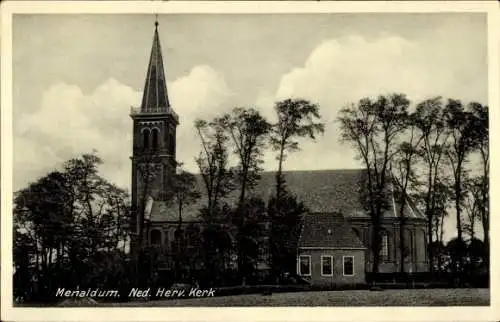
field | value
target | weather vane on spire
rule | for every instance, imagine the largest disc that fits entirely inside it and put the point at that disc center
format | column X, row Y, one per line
column 156, row 20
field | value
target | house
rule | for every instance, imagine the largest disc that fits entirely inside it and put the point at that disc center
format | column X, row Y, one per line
column 329, row 252
column 337, row 233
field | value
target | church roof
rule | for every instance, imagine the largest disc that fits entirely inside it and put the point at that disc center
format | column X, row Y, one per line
column 322, row 191
column 155, row 96
column 328, row 231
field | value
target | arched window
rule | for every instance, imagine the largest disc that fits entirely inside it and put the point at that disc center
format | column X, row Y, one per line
column 155, row 237
column 145, row 138
column 169, row 238
column 357, row 234
column 384, row 245
column 424, row 244
column 408, row 242
column 155, row 134
column 172, row 143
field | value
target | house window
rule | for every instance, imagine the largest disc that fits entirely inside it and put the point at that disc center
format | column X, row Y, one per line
column 327, row 265
column 348, row 265
column 384, row 247
column 305, row 265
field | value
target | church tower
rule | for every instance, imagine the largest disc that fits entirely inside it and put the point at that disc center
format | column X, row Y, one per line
column 154, row 136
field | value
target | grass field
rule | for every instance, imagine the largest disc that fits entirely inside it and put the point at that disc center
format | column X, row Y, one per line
column 406, row 297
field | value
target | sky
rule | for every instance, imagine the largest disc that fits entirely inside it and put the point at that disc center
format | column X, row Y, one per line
column 76, row 76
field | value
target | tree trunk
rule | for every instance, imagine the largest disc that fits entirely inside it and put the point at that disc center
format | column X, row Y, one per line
column 402, row 243
column 486, row 230
column 458, row 193
column 376, row 247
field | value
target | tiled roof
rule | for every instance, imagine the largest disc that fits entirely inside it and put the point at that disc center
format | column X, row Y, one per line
column 328, row 231
column 322, row 191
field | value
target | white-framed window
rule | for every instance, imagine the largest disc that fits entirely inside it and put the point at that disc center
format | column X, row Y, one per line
column 326, row 265
column 348, row 265
column 304, row 265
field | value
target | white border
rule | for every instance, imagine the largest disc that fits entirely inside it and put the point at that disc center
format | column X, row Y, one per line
column 343, row 266
column 331, row 264
column 238, row 314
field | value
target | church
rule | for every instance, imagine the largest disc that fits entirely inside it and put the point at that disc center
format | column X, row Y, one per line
column 334, row 245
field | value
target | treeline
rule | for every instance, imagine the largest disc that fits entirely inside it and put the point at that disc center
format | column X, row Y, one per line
column 73, row 229
column 436, row 151
column 70, row 230
column 239, row 235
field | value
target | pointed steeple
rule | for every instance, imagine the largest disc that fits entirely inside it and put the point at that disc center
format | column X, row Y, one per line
column 155, row 96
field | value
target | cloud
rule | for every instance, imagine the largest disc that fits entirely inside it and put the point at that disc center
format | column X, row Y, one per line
column 346, row 69
column 203, row 93
column 70, row 122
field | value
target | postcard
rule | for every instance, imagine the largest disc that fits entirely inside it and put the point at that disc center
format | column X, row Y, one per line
column 249, row 160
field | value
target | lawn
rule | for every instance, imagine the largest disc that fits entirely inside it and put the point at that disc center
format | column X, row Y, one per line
column 406, row 297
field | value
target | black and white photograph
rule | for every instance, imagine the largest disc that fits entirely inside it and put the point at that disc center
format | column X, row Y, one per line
column 325, row 158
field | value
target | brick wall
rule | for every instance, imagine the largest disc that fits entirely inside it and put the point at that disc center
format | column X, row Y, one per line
column 337, row 277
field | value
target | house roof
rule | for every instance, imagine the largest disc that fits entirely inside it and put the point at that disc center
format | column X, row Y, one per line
column 322, row 191
column 328, row 231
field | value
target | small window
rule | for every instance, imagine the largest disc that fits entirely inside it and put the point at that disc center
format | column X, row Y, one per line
column 348, row 265
column 305, row 265
column 327, row 265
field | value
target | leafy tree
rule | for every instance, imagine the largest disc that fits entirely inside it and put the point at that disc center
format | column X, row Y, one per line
column 213, row 160
column 403, row 172
column 481, row 140
column 296, row 118
column 248, row 131
column 181, row 192
column 472, row 200
column 372, row 127
column 430, row 120
column 251, row 220
column 217, row 250
column 286, row 232
column 460, row 125
column 64, row 220
column 148, row 171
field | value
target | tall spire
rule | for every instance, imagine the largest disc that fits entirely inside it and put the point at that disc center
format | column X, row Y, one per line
column 155, row 96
